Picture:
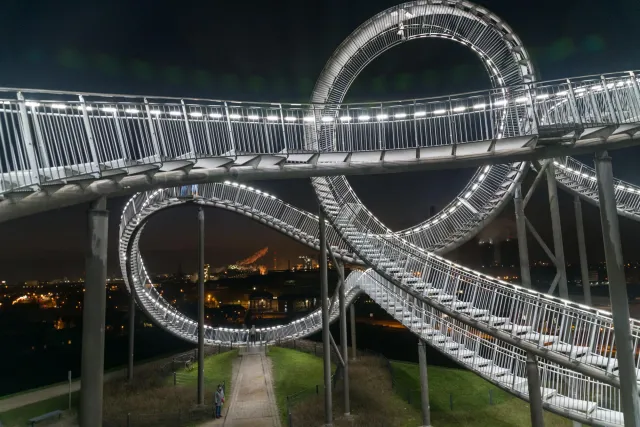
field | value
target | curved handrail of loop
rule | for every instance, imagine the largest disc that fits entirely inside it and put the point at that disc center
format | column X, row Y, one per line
column 497, row 359
column 580, row 179
column 250, row 202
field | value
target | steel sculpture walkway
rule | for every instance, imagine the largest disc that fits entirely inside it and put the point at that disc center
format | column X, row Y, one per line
column 72, row 147
column 73, row 150
column 481, row 322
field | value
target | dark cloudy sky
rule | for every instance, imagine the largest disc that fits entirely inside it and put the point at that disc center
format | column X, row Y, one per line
column 273, row 51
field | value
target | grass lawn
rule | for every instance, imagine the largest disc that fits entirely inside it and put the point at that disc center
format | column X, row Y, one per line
column 294, row 371
column 217, row 369
column 374, row 403
column 20, row 416
column 470, row 399
column 149, row 393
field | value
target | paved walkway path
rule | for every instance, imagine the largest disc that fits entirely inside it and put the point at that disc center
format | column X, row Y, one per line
column 30, row 397
column 253, row 402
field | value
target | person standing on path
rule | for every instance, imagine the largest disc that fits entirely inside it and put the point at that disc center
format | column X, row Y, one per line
column 253, row 334
column 218, row 398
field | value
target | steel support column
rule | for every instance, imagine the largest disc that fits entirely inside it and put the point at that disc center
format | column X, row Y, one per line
column 558, row 244
column 535, row 394
column 424, row 384
column 352, row 315
column 326, row 333
column 523, row 249
column 617, row 290
column 200, row 306
column 343, row 341
column 582, row 251
column 132, row 329
column 93, row 316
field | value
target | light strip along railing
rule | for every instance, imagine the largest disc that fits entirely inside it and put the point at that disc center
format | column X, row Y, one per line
column 564, row 391
column 582, row 179
column 75, row 135
column 553, row 105
column 245, row 200
column 581, row 337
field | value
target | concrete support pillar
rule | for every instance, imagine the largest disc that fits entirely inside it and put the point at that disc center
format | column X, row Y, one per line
column 326, row 339
column 424, row 384
column 617, row 291
column 557, row 231
column 535, row 394
column 352, row 315
column 132, row 330
column 343, row 342
column 582, row 251
column 93, row 316
column 200, row 306
column 523, row 249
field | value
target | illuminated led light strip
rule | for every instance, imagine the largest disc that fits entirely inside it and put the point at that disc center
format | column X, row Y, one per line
column 620, row 186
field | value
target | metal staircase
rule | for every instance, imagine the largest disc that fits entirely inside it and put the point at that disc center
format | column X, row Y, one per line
column 566, row 335
column 482, row 323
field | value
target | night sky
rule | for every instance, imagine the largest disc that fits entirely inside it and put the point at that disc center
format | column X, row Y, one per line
column 273, row 51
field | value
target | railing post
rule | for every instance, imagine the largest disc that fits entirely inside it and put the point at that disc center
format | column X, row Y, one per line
column 87, row 128
column 37, row 131
column 231, row 138
column 636, row 92
column 28, row 141
column 284, row 131
column 451, row 125
column 188, row 129
column 573, row 104
column 152, row 132
column 532, row 105
column 613, row 115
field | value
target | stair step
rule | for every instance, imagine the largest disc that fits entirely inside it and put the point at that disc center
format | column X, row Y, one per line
column 569, row 349
column 602, row 361
column 509, row 379
column 536, row 337
column 493, row 370
column 515, row 329
column 478, row 361
column 585, row 406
